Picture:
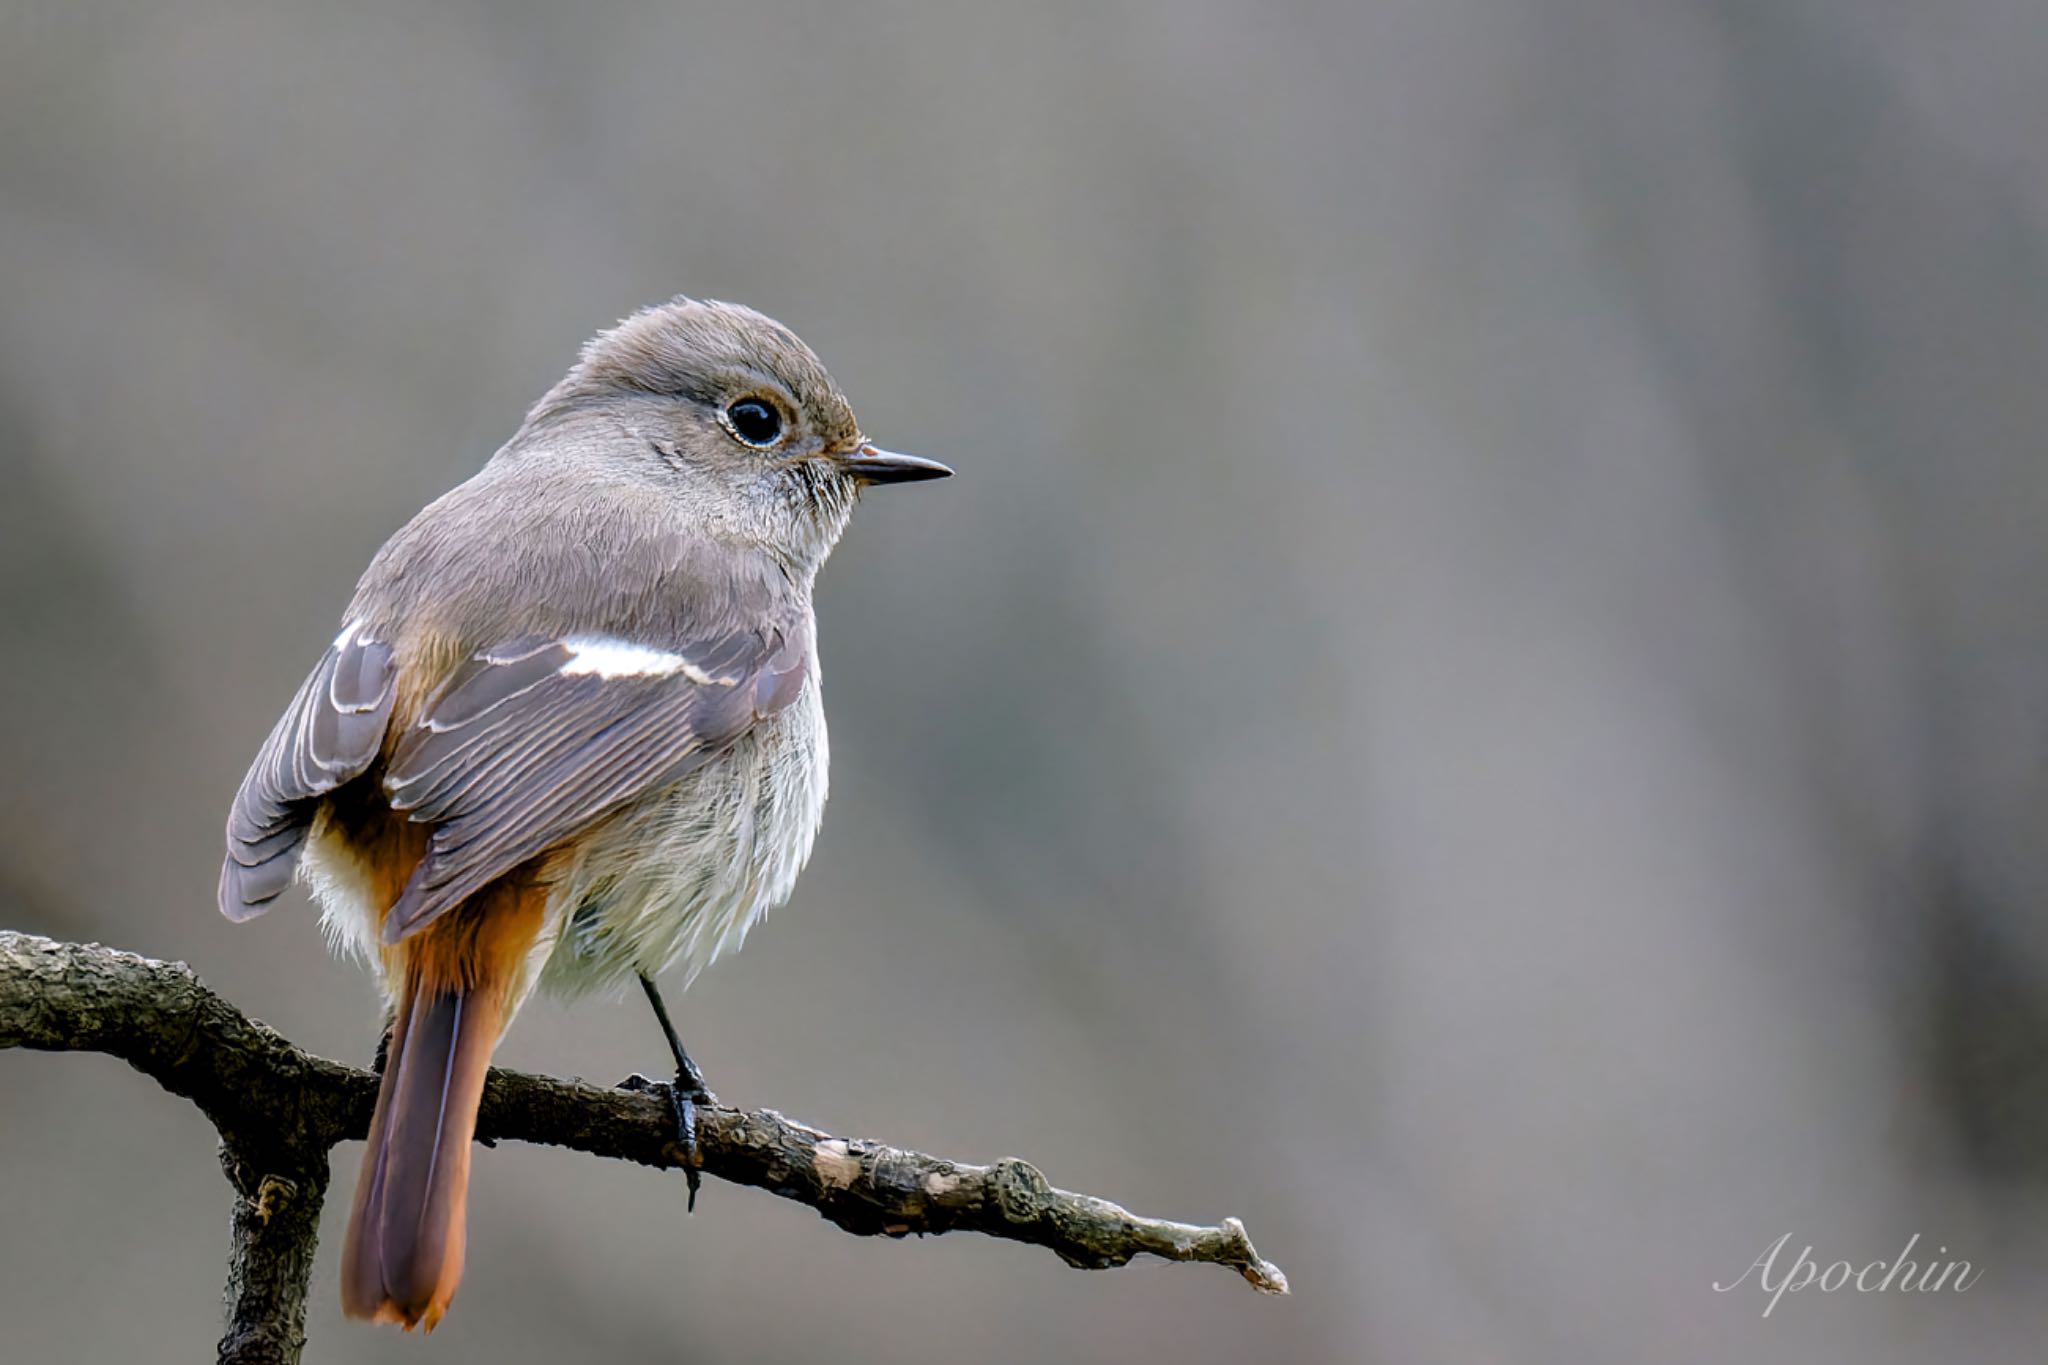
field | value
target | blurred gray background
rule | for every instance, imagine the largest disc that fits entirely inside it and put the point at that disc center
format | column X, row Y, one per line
column 1480, row 700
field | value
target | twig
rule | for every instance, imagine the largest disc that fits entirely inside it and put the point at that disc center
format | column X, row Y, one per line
column 279, row 1110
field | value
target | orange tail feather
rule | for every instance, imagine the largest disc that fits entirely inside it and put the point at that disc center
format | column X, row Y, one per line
column 403, row 1256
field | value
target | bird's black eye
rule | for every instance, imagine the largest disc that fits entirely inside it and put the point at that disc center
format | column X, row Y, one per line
column 755, row 422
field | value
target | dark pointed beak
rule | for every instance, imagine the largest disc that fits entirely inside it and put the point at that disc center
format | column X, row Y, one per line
column 871, row 465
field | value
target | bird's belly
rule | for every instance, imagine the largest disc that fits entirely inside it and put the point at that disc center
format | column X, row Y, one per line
column 678, row 877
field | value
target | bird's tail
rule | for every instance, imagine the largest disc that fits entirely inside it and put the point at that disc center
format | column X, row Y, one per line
column 403, row 1257
column 405, row 1232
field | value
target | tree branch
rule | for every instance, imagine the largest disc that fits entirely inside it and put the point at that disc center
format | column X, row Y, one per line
column 279, row 1110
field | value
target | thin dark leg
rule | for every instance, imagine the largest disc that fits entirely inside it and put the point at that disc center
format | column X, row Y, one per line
column 687, row 1073
column 688, row 1091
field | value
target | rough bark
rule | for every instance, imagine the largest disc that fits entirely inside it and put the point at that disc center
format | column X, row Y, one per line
column 279, row 1110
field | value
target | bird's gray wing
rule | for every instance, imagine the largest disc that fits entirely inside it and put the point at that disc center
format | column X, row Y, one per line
column 329, row 734
column 534, row 740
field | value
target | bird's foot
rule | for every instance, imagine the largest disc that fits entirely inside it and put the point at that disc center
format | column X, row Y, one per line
column 685, row 1094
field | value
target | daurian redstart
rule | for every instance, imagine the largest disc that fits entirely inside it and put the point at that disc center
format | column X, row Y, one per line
column 570, row 733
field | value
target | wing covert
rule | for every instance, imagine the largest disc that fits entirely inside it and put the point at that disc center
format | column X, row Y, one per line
column 532, row 741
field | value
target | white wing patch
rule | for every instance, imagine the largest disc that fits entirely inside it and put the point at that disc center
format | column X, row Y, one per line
column 607, row 658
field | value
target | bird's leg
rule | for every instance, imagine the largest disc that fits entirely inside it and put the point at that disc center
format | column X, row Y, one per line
column 684, row 1094
column 688, row 1076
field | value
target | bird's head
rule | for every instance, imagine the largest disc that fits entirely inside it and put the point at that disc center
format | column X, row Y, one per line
column 735, row 414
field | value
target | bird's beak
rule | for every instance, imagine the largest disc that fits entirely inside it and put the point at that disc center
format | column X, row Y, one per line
column 870, row 465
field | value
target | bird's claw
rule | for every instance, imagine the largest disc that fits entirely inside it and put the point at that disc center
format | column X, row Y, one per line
column 684, row 1095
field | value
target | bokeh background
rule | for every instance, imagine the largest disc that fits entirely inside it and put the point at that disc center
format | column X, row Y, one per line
column 1480, row 700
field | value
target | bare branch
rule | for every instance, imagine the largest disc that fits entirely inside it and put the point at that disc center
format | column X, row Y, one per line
column 280, row 1109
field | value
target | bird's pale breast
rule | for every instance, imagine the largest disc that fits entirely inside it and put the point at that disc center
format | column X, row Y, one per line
column 680, row 875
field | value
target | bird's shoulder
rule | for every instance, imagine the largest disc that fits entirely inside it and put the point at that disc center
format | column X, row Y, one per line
column 536, row 553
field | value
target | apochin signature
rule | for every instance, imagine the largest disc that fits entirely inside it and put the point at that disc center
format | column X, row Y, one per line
column 1875, row 1277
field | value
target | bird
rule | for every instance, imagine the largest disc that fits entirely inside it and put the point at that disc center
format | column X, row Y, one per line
column 570, row 733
